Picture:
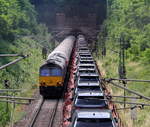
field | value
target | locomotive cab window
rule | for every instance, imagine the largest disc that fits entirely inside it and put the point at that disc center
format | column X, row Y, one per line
column 44, row 72
column 51, row 71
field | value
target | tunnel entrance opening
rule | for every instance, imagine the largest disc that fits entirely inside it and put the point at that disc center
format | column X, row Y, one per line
column 76, row 32
column 68, row 15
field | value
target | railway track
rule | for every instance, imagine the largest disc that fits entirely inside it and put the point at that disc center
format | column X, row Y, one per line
column 45, row 113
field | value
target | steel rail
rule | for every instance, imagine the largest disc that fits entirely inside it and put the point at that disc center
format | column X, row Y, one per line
column 128, row 80
column 50, row 124
column 131, row 91
column 53, row 114
column 13, row 62
column 33, row 120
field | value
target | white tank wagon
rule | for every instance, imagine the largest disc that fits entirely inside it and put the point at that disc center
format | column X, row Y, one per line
column 62, row 51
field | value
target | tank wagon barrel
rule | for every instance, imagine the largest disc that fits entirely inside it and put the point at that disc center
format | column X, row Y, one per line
column 64, row 48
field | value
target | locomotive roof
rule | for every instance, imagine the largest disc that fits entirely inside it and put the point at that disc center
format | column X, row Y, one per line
column 46, row 64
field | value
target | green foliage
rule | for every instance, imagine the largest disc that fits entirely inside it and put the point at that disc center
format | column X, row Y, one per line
column 16, row 17
column 24, row 74
column 20, row 33
column 43, row 37
column 4, row 115
column 146, row 56
column 130, row 18
column 135, row 70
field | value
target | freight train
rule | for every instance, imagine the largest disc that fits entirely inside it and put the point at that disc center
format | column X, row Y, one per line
column 90, row 107
column 53, row 71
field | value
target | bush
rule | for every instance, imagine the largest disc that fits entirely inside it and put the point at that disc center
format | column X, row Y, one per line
column 146, row 56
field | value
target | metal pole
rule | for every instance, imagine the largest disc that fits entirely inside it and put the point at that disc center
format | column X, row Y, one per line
column 7, row 103
column 131, row 103
column 13, row 109
column 131, row 91
column 122, row 69
column 130, row 80
column 10, row 90
column 12, row 116
column 11, row 101
column 9, row 55
column 126, row 97
column 132, row 107
column 107, row 8
column 13, row 62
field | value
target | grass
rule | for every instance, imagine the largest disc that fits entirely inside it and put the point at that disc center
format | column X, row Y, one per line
column 135, row 70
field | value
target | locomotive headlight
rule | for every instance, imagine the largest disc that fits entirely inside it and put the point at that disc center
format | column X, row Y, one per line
column 59, row 83
column 43, row 84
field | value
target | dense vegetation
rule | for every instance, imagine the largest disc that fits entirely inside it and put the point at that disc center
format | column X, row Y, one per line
column 130, row 20
column 20, row 33
column 16, row 17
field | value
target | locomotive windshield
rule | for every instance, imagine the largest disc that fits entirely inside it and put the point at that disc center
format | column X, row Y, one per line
column 52, row 71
